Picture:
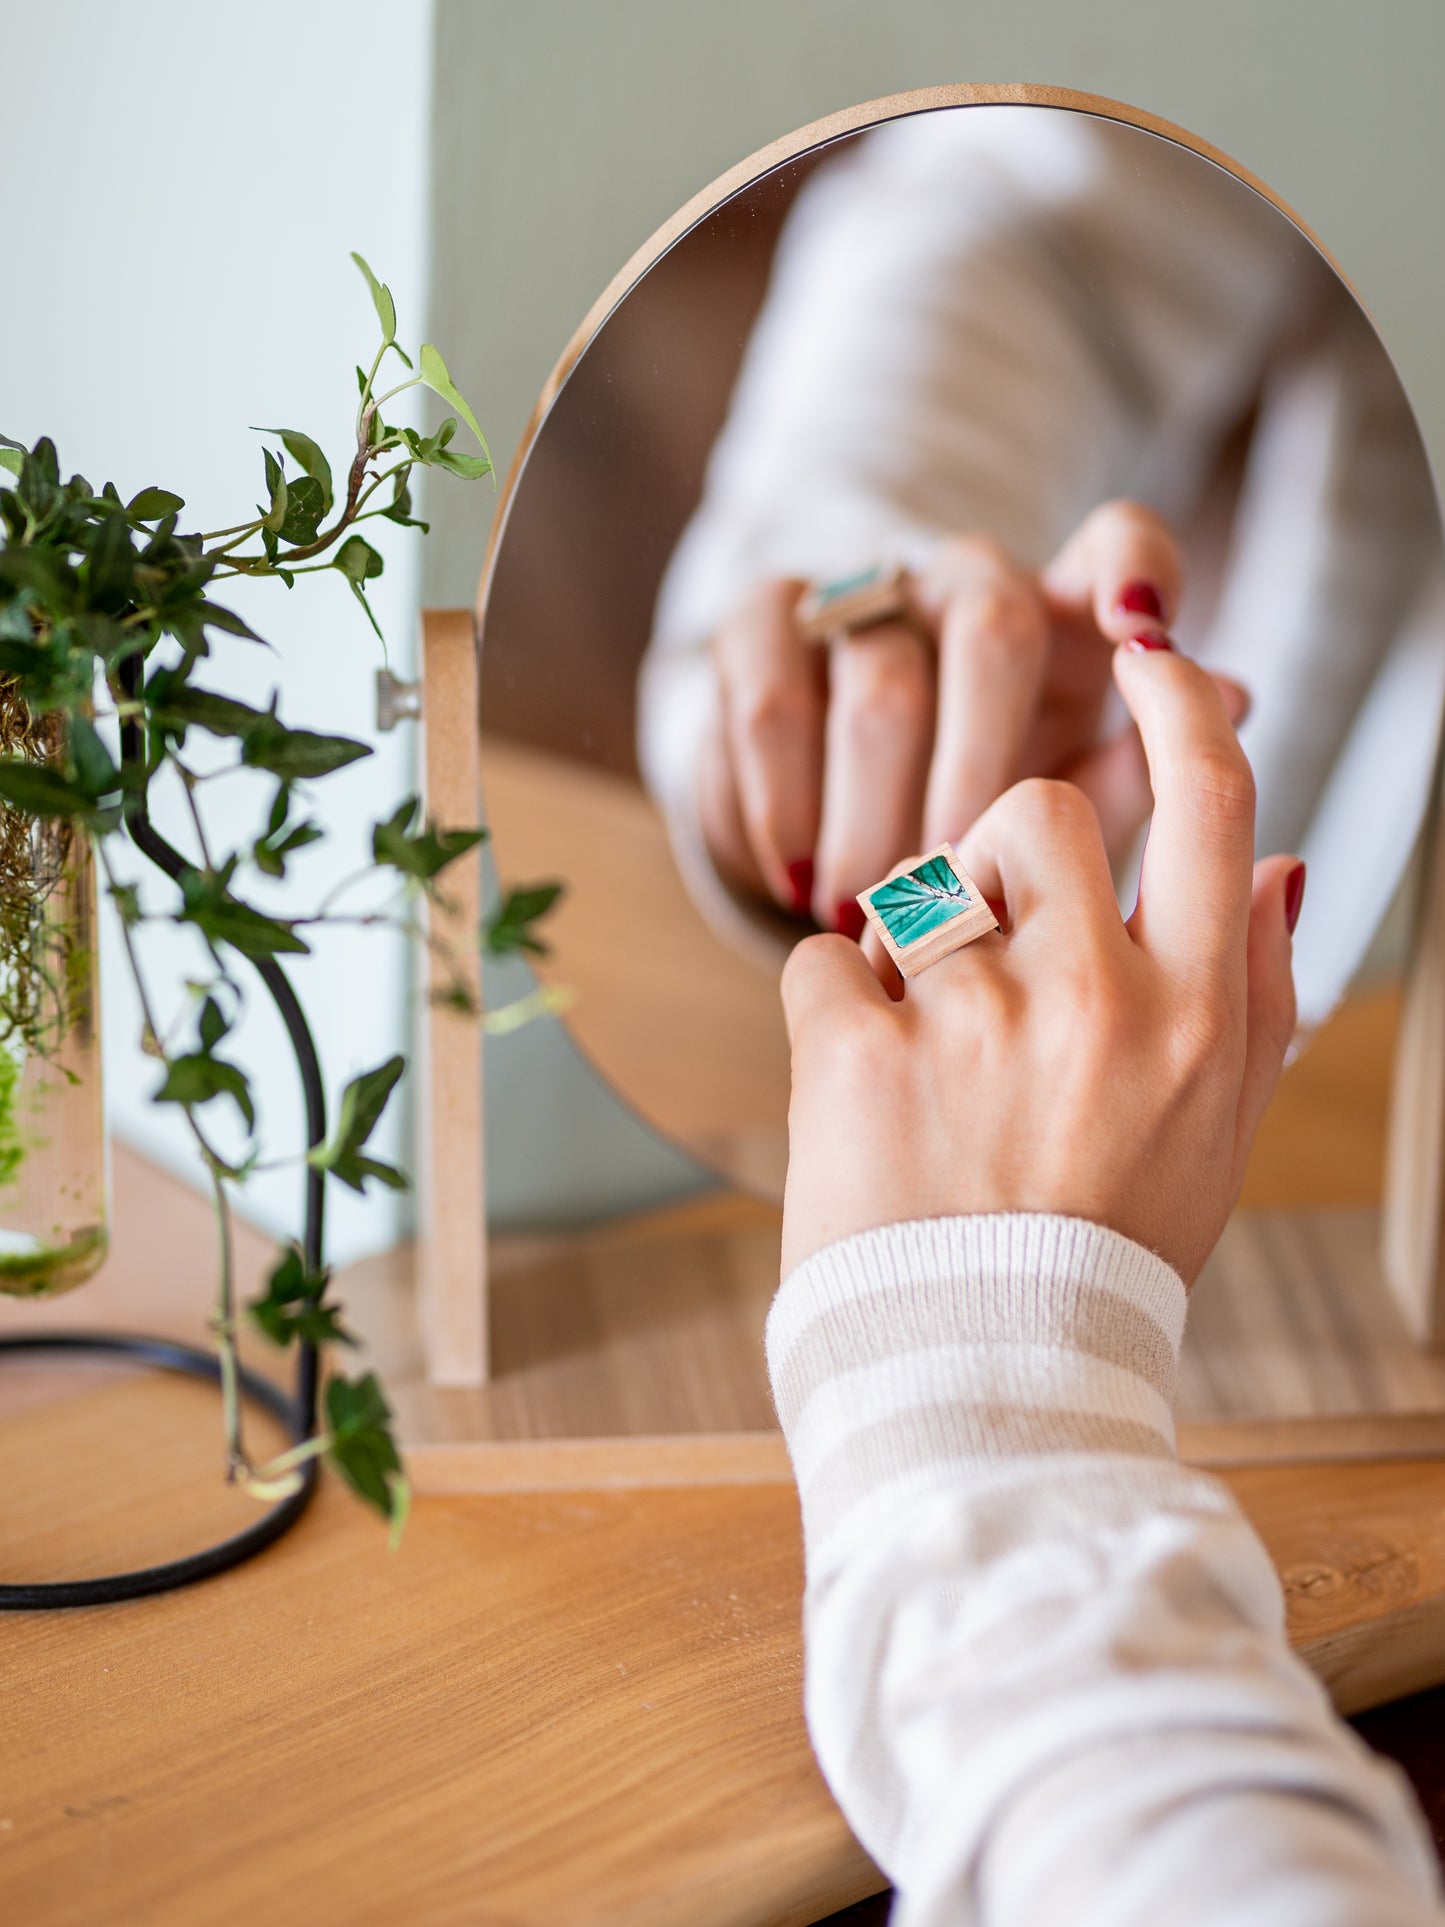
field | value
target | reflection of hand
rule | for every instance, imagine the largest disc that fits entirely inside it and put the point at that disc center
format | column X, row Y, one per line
column 827, row 766
column 1078, row 1064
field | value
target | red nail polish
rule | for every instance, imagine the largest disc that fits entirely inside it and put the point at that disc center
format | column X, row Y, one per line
column 849, row 918
column 1139, row 599
column 1148, row 642
column 1294, row 896
column 800, row 876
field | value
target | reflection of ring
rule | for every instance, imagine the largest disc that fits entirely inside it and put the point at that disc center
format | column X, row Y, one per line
column 925, row 908
column 853, row 602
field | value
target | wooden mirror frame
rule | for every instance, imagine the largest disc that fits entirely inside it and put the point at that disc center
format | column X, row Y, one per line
column 453, row 1275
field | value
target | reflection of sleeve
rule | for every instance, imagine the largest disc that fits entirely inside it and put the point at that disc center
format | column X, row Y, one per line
column 1327, row 619
column 989, row 319
column 1046, row 1672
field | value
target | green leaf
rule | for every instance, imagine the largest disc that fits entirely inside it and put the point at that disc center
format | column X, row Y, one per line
column 381, row 301
column 435, row 374
column 213, row 616
column 126, row 899
column 213, row 1025
column 362, row 1448
column 154, row 503
column 175, row 706
column 362, row 1103
column 423, row 854
column 12, row 457
column 510, row 929
column 357, row 560
column 110, row 567
column 470, row 467
column 292, row 1307
column 197, row 1078
column 40, row 791
column 279, row 493
column 207, row 902
column 297, row 753
column 305, row 506
column 398, row 510
column 95, row 773
column 282, row 838
column 307, row 457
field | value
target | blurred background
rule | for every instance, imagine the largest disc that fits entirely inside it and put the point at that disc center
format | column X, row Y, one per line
column 186, row 180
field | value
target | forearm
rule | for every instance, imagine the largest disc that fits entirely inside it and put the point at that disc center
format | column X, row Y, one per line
column 1046, row 1666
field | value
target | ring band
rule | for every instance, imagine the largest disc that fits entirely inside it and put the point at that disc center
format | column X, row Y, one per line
column 926, row 908
column 853, row 602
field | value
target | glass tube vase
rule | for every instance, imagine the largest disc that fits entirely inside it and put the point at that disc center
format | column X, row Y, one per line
column 54, row 1166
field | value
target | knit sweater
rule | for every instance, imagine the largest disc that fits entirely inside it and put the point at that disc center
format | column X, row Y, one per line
column 1047, row 1676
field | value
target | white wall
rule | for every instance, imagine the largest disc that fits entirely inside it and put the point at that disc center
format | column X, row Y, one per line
column 185, row 183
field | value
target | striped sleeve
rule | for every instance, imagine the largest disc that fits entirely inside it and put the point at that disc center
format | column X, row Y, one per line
column 1021, row 1610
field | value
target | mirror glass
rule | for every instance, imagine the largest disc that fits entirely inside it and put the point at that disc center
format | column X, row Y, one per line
column 941, row 346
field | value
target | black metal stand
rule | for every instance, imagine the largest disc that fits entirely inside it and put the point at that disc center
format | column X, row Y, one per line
column 299, row 1413
column 196, row 1565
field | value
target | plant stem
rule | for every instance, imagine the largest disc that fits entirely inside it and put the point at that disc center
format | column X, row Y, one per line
column 188, row 781
column 223, row 1328
column 223, row 1322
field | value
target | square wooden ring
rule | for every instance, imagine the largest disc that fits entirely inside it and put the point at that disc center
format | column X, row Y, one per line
column 931, row 906
column 858, row 601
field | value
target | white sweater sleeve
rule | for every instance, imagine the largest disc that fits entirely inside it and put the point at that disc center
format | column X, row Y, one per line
column 1046, row 1670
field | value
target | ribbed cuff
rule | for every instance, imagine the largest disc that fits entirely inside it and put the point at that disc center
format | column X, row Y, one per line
column 936, row 1343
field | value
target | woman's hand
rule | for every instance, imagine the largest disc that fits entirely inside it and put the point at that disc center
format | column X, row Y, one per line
column 1077, row 1064
column 828, row 765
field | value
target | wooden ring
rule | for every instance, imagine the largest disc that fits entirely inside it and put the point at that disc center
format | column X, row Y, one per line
column 926, row 908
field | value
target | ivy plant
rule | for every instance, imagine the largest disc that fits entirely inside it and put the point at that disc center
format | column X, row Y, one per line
column 108, row 619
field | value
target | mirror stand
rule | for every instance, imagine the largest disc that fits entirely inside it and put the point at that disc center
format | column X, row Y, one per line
column 1413, row 1231
column 631, row 1353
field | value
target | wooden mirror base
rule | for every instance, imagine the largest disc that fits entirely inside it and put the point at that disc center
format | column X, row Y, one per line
column 631, row 1356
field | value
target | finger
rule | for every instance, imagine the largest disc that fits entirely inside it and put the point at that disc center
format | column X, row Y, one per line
column 1114, row 775
column 1276, row 898
column 1037, row 853
column 881, row 964
column 993, row 646
column 826, row 980
column 773, row 700
column 720, row 815
column 1121, row 570
column 879, row 730
column 1194, row 892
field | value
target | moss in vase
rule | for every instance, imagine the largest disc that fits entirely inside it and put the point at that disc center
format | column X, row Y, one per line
column 49, row 1270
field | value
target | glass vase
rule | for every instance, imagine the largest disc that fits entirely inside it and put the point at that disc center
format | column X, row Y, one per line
column 54, row 1168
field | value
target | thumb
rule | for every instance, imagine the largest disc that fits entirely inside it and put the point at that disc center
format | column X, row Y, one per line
column 1273, row 911
column 825, row 980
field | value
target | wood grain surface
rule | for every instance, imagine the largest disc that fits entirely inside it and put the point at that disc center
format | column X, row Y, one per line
column 571, row 1708
column 452, row 1273
column 579, row 1706
column 554, row 1707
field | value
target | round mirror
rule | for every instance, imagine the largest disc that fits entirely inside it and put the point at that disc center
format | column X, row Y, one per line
column 1030, row 372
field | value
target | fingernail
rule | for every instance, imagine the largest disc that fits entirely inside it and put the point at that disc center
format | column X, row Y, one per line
column 1148, row 642
column 800, row 877
column 1294, row 896
column 1139, row 599
column 849, row 919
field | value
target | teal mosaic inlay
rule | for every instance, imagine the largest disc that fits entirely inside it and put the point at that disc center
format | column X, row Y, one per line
column 831, row 591
column 920, row 901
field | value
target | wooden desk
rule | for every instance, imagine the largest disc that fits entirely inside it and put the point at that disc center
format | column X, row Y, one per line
column 550, row 1707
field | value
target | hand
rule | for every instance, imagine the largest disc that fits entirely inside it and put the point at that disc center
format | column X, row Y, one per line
column 1077, row 1064
column 826, row 766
